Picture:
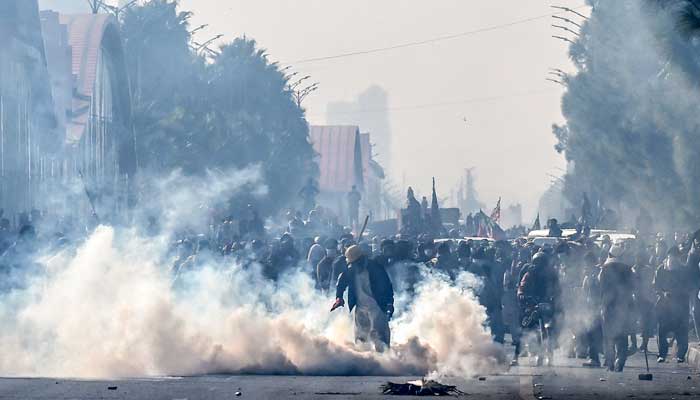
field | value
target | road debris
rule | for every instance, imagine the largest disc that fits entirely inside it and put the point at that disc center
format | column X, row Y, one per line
column 111, row 388
column 420, row 387
column 239, row 394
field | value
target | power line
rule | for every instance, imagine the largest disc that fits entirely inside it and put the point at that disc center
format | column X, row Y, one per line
column 452, row 103
column 431, row 40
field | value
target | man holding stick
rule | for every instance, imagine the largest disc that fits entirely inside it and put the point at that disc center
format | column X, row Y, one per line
column 370, row 294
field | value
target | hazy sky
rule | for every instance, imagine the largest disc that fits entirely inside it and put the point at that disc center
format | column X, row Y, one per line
column 494, row 79
column 507, row 139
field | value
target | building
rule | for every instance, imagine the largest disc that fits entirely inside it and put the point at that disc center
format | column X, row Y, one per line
column 29, row 135
column 345, row 160
column 99, row 142
column 66, row 137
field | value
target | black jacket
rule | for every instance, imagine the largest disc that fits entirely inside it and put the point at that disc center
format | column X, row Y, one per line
column 324, row 273
column 379, row 281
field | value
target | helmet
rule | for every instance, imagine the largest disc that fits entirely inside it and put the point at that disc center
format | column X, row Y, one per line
column 331, row 244
column 617, row 250
column 540, row 259
column 353, row 253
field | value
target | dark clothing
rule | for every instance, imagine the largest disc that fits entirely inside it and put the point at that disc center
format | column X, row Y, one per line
column 645, row 298
column 324, row 273
column 673, row 306
column 446, row 264
column 281, row 260
column 539, row 285
column 555, row 231
column 593, row 337
column 308, row 193
column 680, row 329
column 252, row 228
column 489, row 296
column 617, row 285
column 339, row 266
column 382, row 290
column 354, row 198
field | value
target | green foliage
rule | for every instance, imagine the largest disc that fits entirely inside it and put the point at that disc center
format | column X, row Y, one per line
column 231, row 111
column 632, row 125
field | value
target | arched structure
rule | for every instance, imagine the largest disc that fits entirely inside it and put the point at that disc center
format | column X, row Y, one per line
column 65, row 114
column 100, row 147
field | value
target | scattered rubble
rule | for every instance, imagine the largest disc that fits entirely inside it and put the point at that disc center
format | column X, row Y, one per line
column 420, row 387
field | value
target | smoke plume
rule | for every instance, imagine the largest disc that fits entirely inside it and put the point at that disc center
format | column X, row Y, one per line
column 109, row 307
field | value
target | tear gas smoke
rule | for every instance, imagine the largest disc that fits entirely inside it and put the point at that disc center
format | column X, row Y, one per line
column 109, row 308
column 631, row 120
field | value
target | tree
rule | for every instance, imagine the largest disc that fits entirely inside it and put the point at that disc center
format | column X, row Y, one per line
column 166, row 81
column 196, row 114
column 631, row 130
column 254, row 119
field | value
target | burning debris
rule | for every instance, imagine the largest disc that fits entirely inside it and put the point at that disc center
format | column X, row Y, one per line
column 420, row 387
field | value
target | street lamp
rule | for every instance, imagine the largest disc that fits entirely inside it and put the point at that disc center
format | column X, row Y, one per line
column 566, row 29
column 208, row 42
column 569, row 10
column 564, row 39
column 95, row 5
column 568, row 21
column 300, row 95
column 197, row 29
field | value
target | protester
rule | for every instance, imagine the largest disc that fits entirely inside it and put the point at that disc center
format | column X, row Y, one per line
column 354, row 198
column 616, row 288
column 370, row 294
column 673, row 286
column 589, row 287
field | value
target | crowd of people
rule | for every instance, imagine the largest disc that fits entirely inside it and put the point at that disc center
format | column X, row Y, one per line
column 585, row 294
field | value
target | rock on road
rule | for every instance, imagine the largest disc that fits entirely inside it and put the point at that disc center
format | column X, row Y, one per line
column 567, row 380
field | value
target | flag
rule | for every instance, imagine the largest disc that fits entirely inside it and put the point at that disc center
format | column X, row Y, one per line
column 537, row 226
column 496, row 213
column 488, row 228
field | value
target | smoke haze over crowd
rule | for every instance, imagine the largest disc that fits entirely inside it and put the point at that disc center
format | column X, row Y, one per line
column 110, row 308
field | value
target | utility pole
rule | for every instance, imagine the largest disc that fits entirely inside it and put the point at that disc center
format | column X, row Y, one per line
column 298, row 90
column 95, row 5
column 567, row 26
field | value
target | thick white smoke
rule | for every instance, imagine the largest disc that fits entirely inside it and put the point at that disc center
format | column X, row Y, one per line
column 109, row 308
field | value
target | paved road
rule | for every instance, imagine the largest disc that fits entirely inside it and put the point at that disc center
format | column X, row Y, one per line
column 566, row 381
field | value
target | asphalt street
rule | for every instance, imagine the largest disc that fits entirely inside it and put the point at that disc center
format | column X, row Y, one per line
column 567, row 380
